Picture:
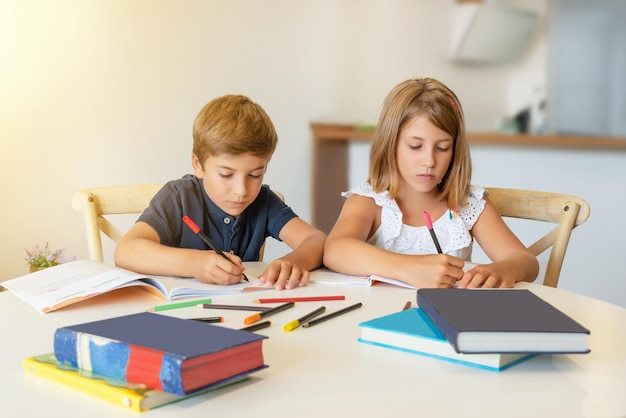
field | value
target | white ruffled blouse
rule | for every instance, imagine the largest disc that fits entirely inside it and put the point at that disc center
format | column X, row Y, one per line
column 452, row 229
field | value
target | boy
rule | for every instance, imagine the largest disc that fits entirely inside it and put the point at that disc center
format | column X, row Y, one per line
column 233, row 141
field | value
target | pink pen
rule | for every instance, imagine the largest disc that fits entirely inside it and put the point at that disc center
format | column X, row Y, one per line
column 429, row 225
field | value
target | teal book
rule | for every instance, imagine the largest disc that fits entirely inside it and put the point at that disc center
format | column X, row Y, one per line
column 412, row 331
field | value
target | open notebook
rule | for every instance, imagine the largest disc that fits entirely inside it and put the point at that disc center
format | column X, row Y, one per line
column 55, row 287
column 326, row 276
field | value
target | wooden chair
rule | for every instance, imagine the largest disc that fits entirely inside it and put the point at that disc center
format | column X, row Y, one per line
column 567, row 212
column 96, row 203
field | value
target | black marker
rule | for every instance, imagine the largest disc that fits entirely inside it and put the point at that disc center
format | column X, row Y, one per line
column 332, row 315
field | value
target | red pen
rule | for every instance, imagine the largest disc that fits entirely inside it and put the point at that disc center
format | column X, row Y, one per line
column 208, row 241
column 429, row 225
column 299, row 299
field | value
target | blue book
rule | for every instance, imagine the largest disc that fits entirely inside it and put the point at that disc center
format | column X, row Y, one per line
column 165, row 353
column 412, row 331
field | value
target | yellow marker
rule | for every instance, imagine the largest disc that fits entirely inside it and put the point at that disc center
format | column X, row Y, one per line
column 290, row 326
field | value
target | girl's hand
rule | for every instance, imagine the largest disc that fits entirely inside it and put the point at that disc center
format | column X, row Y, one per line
column 486, row 276
column 432, row 271
column 284, row 274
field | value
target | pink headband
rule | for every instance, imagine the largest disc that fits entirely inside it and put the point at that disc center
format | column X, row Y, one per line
column 451, row 101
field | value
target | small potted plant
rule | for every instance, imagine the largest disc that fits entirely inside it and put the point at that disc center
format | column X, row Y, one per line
column 43, row 258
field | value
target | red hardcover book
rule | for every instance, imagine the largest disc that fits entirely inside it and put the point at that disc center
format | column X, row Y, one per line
column 166, row 353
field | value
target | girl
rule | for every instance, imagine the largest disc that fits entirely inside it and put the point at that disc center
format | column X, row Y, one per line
column 420, row 161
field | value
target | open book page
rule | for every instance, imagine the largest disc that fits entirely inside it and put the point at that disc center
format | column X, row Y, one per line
column 325, row 276
column 373, row 278
column 68, row 283
column 177, row 288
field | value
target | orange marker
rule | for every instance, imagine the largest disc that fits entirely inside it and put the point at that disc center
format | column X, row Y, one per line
column 257, row 317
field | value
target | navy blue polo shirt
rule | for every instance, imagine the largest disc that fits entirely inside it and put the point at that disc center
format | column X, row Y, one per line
column 243, row 236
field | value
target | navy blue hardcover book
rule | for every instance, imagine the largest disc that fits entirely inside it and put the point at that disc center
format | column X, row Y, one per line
column 162, row 352
column 502, row 321
column 412, row 331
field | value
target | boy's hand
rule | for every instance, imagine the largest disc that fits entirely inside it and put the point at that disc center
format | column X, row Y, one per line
column 212, row 268
column 284, row 274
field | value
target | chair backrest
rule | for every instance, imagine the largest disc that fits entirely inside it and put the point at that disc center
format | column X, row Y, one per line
column 567, row 212
column 96, row 203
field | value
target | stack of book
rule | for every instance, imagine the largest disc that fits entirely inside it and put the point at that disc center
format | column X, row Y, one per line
column 488, row 328
column 146, row 360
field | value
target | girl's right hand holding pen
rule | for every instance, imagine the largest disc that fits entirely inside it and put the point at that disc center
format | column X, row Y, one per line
column 431, row 270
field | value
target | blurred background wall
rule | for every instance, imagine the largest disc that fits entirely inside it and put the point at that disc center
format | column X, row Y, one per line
column 104, row 92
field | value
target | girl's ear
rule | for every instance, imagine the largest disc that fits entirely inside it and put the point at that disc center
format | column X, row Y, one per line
column 197, row 166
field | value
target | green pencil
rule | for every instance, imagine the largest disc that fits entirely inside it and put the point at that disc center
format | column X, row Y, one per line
column 179, row 305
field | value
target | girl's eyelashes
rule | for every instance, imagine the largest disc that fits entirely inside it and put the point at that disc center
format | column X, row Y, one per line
column 440, row 149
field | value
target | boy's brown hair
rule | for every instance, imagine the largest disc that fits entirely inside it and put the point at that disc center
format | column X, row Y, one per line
column 233, row 124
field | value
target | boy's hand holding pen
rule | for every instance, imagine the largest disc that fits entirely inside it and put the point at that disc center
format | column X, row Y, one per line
column 208, row 241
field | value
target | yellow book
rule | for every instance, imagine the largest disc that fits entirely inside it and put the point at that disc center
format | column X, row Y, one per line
column 131, row 396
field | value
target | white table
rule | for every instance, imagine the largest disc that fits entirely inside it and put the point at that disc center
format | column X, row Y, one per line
column 323, row 370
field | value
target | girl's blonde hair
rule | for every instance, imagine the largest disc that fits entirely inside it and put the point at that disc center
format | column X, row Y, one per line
column 233, row 124
column 406, row 102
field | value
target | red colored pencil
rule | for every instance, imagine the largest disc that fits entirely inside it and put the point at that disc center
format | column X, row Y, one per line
column 299, row 299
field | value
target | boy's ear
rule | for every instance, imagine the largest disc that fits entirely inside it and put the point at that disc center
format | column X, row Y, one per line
column 197, row 166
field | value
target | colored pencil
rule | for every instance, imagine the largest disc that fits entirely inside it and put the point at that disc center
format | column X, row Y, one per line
column 299, row 299
column 178, row 305
column 234, row 307
column 332, row 315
